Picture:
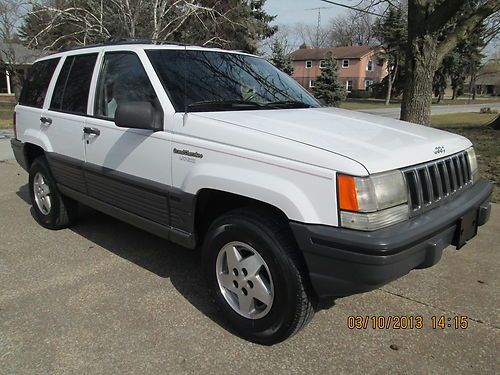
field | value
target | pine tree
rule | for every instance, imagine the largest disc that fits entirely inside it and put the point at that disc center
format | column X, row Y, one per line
column 328, row 86
column 280, row 59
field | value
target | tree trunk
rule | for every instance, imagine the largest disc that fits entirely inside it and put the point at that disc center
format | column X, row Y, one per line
column 421, row 64
column 473, row 85
column 16, row 84
column 389, row 87
column 429, row 40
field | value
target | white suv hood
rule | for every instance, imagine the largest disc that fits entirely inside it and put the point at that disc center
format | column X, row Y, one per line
column 378, row 143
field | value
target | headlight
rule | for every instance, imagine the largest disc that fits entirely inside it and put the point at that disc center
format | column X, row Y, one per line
column 471, row 154
column 374, row 202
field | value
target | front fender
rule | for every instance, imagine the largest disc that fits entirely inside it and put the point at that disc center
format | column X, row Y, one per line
column 300, row 196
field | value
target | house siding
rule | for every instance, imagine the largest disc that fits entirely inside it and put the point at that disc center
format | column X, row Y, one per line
column 356, row 72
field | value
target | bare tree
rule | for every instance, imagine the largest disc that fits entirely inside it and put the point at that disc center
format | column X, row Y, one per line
column 286, row 36
column 89, row 22
column 81, row 24
column 351, row 29
column 312, row 35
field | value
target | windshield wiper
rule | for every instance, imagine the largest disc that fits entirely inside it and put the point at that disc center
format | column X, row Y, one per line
column 288, row 104
column 205, row 104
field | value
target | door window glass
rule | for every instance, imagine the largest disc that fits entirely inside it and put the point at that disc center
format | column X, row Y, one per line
column 71, row 93
column 123, row 79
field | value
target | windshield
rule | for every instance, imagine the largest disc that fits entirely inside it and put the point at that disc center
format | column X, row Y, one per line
column 217, row 81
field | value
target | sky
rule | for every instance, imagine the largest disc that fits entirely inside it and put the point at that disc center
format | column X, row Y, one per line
column 290, row 12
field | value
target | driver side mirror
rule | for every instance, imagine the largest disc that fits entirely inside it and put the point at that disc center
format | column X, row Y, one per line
column 138, row 115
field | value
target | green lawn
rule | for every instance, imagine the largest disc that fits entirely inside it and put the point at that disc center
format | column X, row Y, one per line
column 6, row 111
column 485, row 140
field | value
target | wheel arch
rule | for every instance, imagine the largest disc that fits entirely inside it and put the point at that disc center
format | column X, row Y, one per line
column 31, row 152
column 211, row 203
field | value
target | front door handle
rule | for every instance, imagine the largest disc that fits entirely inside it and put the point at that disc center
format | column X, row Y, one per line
column 45, row 120
column 93, row 131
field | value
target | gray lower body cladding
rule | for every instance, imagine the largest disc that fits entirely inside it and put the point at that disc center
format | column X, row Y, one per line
column 132, row 199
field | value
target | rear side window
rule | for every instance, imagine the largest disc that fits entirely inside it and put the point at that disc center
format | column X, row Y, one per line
column 71, row 93
column 36, row 85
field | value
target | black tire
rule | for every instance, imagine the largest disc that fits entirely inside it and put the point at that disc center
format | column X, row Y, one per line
column 271, row 237
column 63, row 211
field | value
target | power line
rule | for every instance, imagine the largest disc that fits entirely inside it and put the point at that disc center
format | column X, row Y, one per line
column 352, row 8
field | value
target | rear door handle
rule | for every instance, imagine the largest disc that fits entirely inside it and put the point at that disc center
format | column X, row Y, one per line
column 45, row 120
column 93, row 131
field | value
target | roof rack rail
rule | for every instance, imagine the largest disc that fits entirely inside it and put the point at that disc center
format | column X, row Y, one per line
column 118, row 41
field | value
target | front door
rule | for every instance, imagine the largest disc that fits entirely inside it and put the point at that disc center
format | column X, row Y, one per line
column 127, row 168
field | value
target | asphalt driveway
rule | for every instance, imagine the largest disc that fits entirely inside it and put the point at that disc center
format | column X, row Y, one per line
column 104, row 297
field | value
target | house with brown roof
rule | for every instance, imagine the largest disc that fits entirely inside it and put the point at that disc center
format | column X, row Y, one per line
column 488, row 78
column 359, row 66
column 18, row 59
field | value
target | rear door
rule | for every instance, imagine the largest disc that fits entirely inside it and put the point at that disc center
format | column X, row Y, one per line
column 31, row 101
column 65, row 119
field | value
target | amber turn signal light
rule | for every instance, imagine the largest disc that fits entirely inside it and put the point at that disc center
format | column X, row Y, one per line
column 348, row 198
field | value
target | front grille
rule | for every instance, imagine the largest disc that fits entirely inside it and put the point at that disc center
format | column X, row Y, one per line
column 430, row 184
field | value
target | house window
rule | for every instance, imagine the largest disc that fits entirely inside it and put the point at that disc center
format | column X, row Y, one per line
column 368, row 84
column 312, row 83
column 369, row 66
column 345, row 63
column 309, row 64
column 322, row 64
column 348, row 85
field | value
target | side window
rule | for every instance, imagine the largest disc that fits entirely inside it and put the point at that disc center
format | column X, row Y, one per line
column 36, row 85
column 71, row 93
column 122, row 79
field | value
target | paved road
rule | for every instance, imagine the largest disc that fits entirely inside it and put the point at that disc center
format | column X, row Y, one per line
column 5, row 149
column 104, row 297
column 436, row 109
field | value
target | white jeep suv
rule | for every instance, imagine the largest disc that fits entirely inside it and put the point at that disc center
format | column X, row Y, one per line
column 288, row 200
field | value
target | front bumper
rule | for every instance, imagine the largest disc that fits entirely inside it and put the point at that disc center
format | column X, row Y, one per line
column 344, row 261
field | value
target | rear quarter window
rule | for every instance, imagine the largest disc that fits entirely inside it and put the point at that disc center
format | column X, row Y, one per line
column 36, row 85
